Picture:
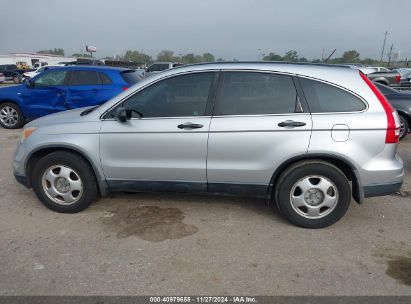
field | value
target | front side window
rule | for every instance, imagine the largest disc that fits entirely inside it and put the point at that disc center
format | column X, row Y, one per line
column 51, row 78
column 84, row 78
column 324, row 98
column 251, row 93
column 178, row 96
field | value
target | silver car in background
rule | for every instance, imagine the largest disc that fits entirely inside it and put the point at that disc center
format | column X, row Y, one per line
column 306, row 137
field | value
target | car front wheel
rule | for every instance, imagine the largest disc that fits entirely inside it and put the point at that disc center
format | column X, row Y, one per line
column 313, row 194
column 64, row 182
column 11, row 116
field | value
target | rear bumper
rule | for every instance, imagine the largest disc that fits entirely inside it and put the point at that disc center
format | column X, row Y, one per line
column 381, row 189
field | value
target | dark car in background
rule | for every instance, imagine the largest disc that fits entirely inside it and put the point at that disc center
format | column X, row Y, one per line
column 11, row 72
column 401, row 101
column 60, row 89
column 391, row 79
column 405, row 78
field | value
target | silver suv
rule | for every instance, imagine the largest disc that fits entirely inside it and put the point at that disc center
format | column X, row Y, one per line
column 306, row 137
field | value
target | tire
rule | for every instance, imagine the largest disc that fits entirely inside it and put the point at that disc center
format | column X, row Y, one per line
column 11, row 116
column 404, row 127
column 16, row 79
column 313, row 194
column 64, row 182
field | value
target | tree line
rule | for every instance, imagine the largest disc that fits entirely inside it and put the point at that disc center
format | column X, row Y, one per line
column 351, row 56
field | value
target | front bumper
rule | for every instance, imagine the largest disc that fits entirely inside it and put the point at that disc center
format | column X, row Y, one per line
column 22, row 179
column 381, row 189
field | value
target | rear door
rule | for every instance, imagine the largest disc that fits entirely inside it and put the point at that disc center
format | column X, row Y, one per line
column 84, row 89
column 259, row 122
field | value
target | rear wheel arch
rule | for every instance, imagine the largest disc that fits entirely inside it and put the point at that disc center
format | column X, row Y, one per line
column 342, row 164
column 40, row 153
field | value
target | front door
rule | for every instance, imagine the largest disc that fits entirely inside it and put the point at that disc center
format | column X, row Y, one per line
column 258, row 123
column 46, row 94
column 163, row 147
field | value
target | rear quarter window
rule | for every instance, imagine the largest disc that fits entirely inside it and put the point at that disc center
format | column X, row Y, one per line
column 324, row 98
column 132, row 76
column 105, row 79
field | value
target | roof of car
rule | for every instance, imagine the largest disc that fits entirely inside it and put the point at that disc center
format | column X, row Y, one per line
column 261, row 64
column 92, row 67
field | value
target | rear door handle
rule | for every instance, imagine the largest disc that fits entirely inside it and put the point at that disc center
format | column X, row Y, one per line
column 291, row 123
column 189, row 125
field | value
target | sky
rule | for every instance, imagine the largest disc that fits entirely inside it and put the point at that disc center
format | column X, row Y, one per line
column 231, row 29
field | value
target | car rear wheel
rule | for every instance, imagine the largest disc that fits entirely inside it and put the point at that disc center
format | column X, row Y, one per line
column 64, row 182
column 11, row 116
column 313, row 194
column 404, row 127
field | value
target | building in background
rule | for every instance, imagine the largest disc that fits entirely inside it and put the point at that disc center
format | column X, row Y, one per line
column 33, row 60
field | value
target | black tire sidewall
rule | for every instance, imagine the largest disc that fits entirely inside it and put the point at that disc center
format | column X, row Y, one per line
column 320, row 169
column 20, row 118
column 407, row 127
column 77, row 163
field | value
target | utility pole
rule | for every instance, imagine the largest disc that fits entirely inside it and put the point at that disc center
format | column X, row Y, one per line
column 383, row 46
column 389, row 55
column 322, row 55
column 332, row 53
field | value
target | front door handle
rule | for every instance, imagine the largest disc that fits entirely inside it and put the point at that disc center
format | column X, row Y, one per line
column 189, row 125
column 291, row 123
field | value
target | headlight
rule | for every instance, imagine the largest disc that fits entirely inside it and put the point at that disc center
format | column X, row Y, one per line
column 27, row 132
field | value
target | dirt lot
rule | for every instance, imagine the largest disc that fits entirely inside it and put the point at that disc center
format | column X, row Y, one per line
column 151, row 244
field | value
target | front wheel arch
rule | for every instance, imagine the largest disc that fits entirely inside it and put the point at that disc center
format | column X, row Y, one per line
column 38, row 154
column 15, row 104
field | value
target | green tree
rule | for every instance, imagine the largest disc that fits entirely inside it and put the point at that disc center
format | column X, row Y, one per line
column 291, row 55
column 137, row 56
column 81, row 55
column 351, row 56
column 208, row 57
column 272, row 57
column 166, row 55
column 54, row 51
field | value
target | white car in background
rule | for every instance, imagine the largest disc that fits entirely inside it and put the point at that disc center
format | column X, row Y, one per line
column 29, row 75
column 2, row 78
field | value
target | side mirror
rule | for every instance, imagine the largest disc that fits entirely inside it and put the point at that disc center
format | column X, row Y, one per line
column 28, row 83
column 122, row 115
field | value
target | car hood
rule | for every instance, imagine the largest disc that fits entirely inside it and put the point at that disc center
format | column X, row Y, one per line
column 70, row 116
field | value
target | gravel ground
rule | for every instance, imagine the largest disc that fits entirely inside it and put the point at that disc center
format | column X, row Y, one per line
column 151, row 244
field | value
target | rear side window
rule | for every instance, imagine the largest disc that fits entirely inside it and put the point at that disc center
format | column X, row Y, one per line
column 248, row 93
column 84, row 78
column 132, row 76
column 105, row 79
column 324, row 98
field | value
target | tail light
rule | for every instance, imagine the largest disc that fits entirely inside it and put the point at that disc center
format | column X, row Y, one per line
column 398, row 78
column 393, row 128
column 124, row 88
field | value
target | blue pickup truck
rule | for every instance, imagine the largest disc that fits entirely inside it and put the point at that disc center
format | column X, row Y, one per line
column 60, row 89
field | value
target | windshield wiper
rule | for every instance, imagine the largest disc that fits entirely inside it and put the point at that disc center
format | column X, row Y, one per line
column 89, row 110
